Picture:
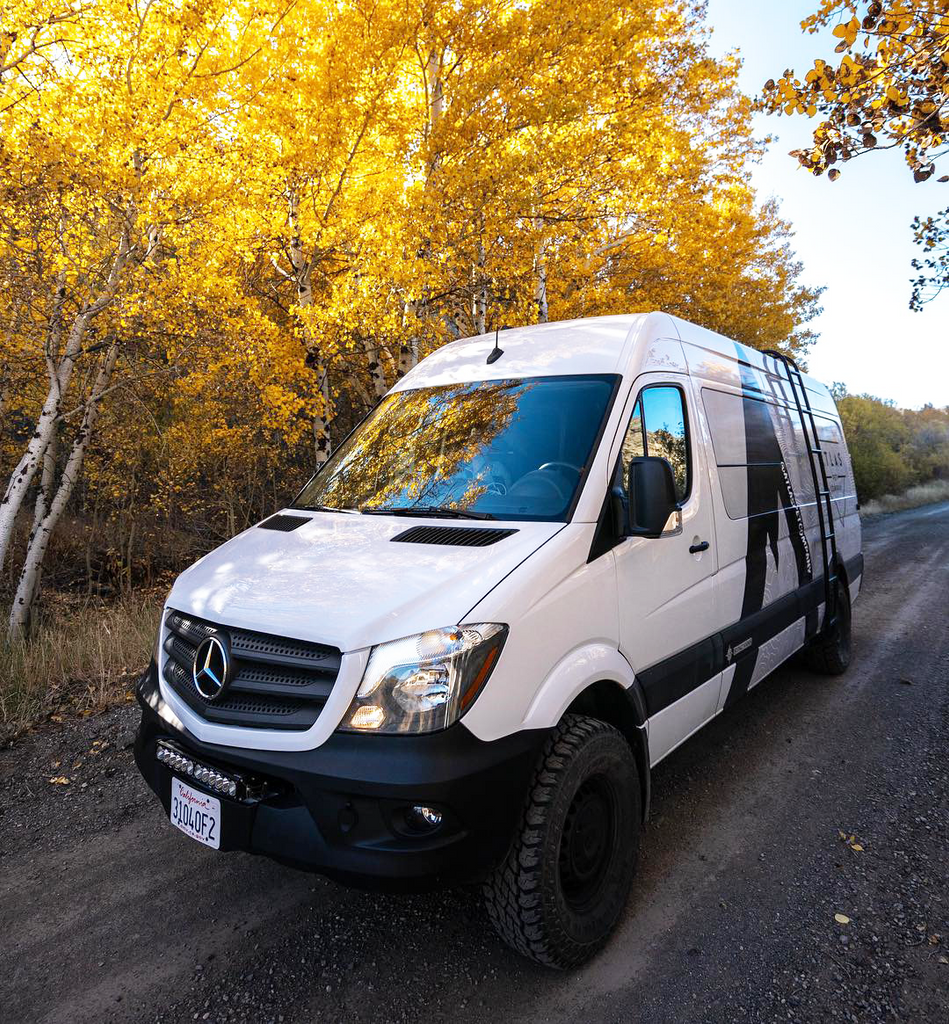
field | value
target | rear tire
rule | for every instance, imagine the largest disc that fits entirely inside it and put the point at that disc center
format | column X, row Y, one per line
column 829, row 654
column 561, row 889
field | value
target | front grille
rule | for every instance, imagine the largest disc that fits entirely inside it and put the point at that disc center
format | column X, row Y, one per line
column 276, row 682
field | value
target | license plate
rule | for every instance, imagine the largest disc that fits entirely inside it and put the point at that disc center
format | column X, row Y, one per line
column 196, row 814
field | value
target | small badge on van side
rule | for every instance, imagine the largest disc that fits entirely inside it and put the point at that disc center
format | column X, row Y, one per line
column 735, row 650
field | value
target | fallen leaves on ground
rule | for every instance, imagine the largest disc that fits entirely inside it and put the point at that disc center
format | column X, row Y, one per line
column 850, row 840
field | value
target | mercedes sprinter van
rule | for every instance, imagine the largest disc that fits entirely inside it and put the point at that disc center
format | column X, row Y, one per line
column 542, row 562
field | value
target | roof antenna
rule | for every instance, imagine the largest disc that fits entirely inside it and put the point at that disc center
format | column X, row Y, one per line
column 495, row 354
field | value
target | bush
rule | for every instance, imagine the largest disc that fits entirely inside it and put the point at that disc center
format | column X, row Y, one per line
column 921, row 494
column 893, row 449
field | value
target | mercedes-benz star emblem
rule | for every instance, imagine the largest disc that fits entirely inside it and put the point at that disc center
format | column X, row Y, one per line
column 211, row 667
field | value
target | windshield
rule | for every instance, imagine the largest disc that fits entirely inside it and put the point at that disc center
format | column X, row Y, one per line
column 503, row 449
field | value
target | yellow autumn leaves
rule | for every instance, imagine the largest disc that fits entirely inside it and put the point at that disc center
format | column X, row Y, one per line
column 890, row 87
column 848, row 31
column 270, row 209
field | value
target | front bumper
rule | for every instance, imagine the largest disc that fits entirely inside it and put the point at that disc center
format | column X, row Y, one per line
column 339, row 809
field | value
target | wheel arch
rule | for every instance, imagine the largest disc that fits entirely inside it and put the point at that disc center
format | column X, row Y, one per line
column 609, row 702
column 596, row 680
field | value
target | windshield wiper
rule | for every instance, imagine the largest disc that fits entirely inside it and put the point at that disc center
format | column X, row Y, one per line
column 443, row 511
column 324, row 508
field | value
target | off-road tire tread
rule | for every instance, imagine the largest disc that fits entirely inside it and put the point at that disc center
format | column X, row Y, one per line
column 823, row 656
column 511, row 895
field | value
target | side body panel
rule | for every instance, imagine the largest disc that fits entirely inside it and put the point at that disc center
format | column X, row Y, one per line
column 770, row 583
column 766, row 596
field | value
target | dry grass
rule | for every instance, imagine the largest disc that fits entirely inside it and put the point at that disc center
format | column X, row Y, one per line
column 78, row 659
column 921, row 494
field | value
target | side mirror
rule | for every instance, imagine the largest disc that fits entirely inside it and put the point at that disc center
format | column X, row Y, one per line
column 652, row 495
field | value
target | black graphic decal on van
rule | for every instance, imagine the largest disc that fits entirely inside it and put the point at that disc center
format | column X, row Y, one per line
column 768, row 492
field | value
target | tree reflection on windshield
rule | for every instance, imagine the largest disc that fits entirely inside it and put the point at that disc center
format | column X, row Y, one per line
column 505, row 448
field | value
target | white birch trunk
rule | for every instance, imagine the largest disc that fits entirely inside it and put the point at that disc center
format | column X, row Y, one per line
column 59, row 370
column 540, row 281
column 480, row 303
column 436, row 98
column 480, row 311
column 376, row 373
column 303, row 279
column 418, row 308
column 22, row 475
column 408, row 356
column 45, row 489
column 28, row 586
column 321, row 421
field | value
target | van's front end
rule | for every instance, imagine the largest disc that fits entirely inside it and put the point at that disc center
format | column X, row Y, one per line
column 312, row 689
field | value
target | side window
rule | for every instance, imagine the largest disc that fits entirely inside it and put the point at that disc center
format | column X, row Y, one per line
column 760, row 453
column 633, row 444
column 658, row 427
column 828, row 432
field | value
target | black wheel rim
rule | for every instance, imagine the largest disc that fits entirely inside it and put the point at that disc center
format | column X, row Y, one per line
column 587, row 843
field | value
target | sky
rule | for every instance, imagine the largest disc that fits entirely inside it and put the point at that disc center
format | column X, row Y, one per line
column 852, row 235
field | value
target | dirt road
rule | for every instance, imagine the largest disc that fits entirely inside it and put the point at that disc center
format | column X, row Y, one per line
column 109, row 914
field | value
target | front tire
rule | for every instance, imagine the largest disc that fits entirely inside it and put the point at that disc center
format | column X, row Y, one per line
column 564, row 884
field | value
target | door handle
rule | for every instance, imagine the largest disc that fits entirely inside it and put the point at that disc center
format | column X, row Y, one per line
column 696, row 548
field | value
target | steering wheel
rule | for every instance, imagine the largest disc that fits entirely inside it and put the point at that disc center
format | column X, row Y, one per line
column 523, row 487
column 493, row 476
column 560, row 465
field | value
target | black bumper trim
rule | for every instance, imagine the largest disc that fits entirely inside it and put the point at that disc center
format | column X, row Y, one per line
column 338, row 810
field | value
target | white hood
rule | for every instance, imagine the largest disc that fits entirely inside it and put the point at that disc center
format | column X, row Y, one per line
column 339, row 579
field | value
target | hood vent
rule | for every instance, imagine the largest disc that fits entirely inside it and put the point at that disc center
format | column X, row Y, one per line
column 283, row 523
column 457, row 536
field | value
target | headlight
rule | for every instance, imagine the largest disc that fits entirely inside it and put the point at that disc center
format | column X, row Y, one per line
column 424, row 682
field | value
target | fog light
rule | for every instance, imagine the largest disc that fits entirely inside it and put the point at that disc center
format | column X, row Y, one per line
column 423, row 818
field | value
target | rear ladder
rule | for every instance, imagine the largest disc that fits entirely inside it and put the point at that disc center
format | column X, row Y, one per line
column 815, row 456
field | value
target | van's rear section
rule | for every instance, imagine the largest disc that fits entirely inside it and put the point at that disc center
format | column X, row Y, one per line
column 540, row 564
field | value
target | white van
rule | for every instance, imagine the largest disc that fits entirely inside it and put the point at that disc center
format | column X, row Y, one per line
column 541, row 563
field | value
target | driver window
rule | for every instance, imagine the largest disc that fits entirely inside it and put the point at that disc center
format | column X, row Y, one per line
column 657, row 427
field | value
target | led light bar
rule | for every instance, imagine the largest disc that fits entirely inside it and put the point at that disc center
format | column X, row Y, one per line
column 210, row 777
